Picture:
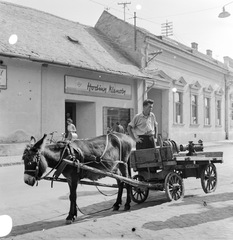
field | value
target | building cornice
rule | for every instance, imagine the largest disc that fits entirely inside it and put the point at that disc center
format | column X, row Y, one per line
column 183, row 53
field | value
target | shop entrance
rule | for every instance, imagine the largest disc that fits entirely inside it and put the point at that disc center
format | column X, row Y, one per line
column 83, row 115
column 70, row 112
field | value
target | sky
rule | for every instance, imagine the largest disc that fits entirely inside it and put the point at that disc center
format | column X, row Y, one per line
column 192, row 20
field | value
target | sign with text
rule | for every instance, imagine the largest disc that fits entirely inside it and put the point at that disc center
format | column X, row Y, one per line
column 83, row 86
column 3, row 80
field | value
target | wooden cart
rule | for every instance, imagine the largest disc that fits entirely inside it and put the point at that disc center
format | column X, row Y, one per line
column 165, row 170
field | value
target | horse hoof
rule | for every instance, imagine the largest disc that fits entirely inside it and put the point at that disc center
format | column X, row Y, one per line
column 115, row 208
column 68, row 221
column 126, row 208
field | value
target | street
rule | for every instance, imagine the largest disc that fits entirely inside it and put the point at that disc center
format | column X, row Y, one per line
column 40, row 212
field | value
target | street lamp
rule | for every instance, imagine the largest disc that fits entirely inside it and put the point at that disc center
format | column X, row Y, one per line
column 224, row 13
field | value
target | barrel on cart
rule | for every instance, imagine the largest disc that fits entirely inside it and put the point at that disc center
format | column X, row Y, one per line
column 165, row 167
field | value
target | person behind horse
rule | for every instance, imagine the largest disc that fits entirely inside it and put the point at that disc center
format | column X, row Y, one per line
column 119, row 128
column 72, row 132
column 144, row 128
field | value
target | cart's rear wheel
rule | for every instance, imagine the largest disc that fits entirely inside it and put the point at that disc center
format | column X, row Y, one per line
column 209, row 178
column 174, row 186
column 139, row 195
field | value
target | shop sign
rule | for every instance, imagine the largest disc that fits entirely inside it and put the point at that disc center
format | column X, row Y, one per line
column 3, row 79
column 75, row 85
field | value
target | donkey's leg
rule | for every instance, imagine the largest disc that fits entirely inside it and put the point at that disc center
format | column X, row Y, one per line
column 73, row 183
column 118, row 202
column 128, row 187
column 125, row 168
column 128, row 197
column 124, row 171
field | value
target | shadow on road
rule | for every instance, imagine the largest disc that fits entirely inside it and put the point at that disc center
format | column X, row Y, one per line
column 91, row 212
column 210, row 213
column 104, row 209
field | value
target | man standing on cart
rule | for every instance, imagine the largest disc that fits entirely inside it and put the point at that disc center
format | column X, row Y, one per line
column 144, row 128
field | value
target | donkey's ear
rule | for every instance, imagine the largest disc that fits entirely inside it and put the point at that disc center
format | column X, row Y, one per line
column 32, row 141
column 40, row 144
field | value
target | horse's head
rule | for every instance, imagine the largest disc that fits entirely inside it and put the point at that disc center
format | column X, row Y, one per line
column 34, row 166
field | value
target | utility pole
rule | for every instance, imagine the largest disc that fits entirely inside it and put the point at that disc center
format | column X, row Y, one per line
column 124, row 6
column 135, row 32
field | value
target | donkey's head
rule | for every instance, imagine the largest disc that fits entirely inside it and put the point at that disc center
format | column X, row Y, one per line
column 34, row 162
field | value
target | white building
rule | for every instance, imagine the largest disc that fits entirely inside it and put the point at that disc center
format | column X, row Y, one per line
column 190, row 89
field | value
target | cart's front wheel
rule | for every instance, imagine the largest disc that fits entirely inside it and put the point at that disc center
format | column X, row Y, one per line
column 174, row 186
column 139, row 195
column 209, row 178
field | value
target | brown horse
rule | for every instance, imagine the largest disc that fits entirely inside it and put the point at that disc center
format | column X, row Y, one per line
column 107, row 153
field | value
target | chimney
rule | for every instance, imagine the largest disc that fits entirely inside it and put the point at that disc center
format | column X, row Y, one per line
column 209, row 52
column 194, row 45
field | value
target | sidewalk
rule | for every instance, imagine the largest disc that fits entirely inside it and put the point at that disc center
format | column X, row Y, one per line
column 14, row 160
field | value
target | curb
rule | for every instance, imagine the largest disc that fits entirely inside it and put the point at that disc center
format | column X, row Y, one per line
column 10, row 164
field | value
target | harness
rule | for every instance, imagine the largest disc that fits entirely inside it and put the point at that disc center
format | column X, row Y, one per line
column 71, row 149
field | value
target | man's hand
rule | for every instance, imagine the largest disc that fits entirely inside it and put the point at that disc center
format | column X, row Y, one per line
column 138, row 140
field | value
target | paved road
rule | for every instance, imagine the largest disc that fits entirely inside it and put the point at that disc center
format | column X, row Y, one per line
column 39, row 212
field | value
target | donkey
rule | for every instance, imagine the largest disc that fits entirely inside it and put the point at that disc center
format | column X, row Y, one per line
column 106, row 152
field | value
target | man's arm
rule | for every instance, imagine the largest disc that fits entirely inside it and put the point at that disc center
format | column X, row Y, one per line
column 129, row 129
column 131, row 134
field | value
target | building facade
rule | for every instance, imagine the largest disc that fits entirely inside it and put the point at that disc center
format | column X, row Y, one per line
column 99, row 76
column 59, row 69
column 190, row 89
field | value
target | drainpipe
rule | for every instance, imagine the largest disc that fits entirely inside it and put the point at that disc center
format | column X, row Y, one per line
column 226, row 109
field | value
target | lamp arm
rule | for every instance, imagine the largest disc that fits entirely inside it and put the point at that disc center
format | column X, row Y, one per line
column 228, row 3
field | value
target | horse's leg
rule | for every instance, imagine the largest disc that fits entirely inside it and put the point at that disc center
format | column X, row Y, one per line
column 73, row 183
column 118, row 202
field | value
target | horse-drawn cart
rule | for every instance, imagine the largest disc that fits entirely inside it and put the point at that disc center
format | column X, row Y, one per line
column 160, row 168
column 165, row 170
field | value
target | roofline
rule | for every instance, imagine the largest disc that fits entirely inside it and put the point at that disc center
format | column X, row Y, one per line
column 154, row 38
column 45, row 61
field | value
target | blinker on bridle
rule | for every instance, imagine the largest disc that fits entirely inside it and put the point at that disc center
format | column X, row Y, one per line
column 35, row 159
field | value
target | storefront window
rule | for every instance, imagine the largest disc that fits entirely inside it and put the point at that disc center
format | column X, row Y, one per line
column 113, row 115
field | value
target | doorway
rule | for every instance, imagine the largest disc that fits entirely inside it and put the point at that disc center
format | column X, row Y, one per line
column 70, row 112
column 160, row 109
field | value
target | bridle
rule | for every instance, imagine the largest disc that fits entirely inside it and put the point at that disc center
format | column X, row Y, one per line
column 36, row 159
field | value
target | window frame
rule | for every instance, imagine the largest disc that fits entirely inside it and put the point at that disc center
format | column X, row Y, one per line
column 209, row 111
column 218, row 97
column 181, row 107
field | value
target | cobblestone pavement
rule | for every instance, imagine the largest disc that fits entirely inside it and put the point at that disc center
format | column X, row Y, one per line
column 197, row 216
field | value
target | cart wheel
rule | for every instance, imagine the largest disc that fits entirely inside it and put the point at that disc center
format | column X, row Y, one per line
column 139, row 195
column 209, row 178
column 174, row 186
